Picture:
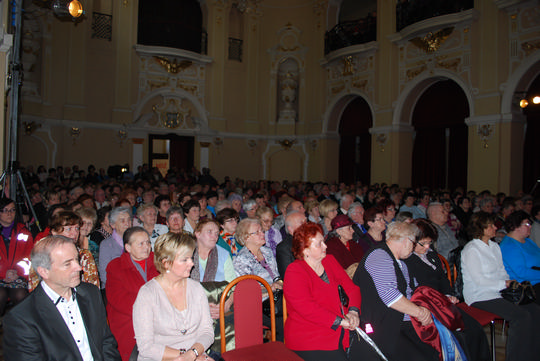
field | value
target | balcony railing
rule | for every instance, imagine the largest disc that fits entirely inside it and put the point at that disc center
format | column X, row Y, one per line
column 351, row 33
column 411, row 11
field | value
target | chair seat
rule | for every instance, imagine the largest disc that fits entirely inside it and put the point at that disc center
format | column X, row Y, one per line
column 483, row 317
column 270, row 351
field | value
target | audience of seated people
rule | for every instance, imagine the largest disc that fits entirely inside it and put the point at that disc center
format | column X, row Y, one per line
column 353, row 220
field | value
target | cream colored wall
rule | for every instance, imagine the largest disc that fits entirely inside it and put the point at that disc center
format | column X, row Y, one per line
column 85, row 79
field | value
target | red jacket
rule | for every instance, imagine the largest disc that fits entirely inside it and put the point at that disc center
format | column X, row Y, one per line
column 312, row 305
column 20, row 246
column 122, row 287
column 345, row 257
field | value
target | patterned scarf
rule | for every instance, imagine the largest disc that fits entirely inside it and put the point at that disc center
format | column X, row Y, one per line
column 231, row 241
column 211, row 266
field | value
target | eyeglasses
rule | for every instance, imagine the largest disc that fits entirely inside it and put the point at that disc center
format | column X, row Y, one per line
column 424, row 244
column 526, row 224
column 12, row 210
column 260, row 231
column 231, row 220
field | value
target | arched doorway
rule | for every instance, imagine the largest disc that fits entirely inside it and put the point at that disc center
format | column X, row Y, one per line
column 440, row 144
column 355, row 142
column 531, row 146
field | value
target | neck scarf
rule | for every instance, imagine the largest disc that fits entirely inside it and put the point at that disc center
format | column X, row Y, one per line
column 211, row 266
column 231, row 241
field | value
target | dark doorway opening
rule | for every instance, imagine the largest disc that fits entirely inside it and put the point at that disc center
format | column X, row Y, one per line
column 171, row 151
column 440, row 148
column 355, row 142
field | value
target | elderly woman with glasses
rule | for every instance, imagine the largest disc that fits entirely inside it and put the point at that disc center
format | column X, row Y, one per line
column 520, row 253
column 228, row 222
column 426, row 267
column 375, row 225
column 255, row 258
column 387, row 288
column 68, row 224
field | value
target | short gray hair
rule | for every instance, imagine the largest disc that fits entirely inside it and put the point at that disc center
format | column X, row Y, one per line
column 174, row 210
column 242, row 230
column 113, row 216
column 41, row 253
column 397, row 230
column 353, row 206
column 249, row 204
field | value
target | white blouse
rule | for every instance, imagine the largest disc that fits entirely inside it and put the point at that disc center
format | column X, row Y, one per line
column 483, row 271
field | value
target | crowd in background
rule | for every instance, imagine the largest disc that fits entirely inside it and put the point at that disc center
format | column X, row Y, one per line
column 249, row 227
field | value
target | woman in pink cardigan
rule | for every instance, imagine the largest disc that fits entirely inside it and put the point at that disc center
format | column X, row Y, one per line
column 317, row 327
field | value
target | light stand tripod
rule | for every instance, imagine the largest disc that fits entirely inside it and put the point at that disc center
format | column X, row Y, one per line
column 16, row 190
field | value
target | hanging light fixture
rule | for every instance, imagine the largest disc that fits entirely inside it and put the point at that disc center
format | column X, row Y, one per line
column 67, row 8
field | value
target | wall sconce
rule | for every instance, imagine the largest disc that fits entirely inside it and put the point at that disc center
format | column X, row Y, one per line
column 252, row 144
column 314, row 143
column 75, row 134
column 30, row 127
column 67, row 9
column 218, row 142
column 286, row 143
column 485, row 132
column 125, row 3
column 381, row 140
column 121, row 136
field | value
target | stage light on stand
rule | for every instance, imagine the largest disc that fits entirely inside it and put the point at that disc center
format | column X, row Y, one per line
column 67, row 9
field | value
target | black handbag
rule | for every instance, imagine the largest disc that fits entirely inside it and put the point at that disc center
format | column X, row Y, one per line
column 519, row 293
column 278, row 304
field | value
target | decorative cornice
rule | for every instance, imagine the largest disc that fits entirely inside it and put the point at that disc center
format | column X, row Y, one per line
column 506, row 4
column 495, row 119
column 362, row 50
column 394, row 128
column 433, row 24
column 145, row 50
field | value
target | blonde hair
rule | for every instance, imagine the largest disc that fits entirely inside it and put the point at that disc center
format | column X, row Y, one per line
column 144, row 207
column 169, row 245
column 398, row 230
column 326, row 206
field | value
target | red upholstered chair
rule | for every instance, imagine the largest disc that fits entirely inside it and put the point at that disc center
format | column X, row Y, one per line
column 248, row 327
column 484, row 318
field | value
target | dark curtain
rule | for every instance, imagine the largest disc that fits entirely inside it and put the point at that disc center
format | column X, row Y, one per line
column 174, row 24
column 355, row 142
column 429, row 158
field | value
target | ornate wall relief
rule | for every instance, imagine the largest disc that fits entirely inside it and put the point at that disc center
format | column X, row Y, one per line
column 438, row 43
column 288, row 63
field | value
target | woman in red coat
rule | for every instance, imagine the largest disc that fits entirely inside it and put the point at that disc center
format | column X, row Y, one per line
column 16, row 243
column 317, row 327
column 125, row 276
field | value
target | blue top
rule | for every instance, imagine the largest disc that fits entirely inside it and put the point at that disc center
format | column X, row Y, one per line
column 518, row 258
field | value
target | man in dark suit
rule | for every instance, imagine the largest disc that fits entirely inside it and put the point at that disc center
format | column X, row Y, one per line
column 284, row 255
column 63, row 319
column 356, row 213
